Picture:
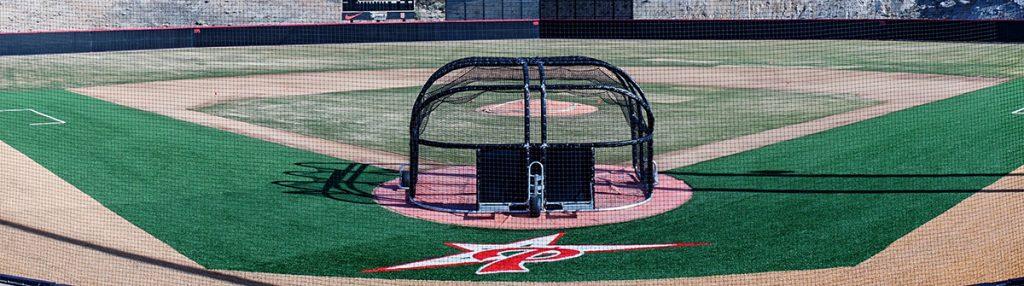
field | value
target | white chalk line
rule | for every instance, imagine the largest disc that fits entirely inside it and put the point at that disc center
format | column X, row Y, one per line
column 55, row 120
column 1018, row 112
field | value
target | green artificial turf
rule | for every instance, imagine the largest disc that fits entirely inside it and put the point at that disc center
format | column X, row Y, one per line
column 685, row 117
column 233, row 202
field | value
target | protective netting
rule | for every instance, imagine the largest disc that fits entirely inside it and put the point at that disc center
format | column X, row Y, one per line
column 787, row 142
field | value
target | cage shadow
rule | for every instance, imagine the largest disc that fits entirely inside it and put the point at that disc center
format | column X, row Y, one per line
column 345, row 182
column 768, row 174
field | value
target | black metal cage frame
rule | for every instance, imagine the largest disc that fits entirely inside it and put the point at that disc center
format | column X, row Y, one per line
column 637, row 111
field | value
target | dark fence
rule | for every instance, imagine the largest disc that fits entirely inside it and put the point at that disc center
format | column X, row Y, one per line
column 903, row 30
column 94, row 41
column 367, row 33
column 491, row 9
column 118, row 40
column 140, row 39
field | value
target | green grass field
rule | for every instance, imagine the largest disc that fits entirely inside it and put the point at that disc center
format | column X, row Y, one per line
column 228, row 201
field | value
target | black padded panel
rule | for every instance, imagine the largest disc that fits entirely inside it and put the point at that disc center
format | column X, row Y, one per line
column 501, row 176
column 569, row 174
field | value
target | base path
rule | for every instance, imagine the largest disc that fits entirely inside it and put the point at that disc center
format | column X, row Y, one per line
column 455, row 188
column 893, row 91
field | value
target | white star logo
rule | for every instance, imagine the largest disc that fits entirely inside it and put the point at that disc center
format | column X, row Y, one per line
column 512, row 257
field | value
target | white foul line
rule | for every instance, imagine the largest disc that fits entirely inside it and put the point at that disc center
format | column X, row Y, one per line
column 55, row 120
column 1018, row 112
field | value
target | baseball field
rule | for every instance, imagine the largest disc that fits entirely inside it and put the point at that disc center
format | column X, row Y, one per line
column 807, row 162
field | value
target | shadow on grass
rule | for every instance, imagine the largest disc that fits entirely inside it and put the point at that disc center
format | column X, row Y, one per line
column 354, row 183
column 896, row 182
column 346, row 182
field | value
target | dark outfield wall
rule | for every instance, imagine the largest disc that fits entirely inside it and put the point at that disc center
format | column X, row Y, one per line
column 164, row 38
column 368, row 33
column 902, row 30
column 116, row 40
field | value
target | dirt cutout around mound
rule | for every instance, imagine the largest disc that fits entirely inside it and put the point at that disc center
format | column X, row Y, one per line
column 555, row 108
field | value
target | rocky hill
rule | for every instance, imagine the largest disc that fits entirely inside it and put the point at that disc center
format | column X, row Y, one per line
column 829, row 9
column 34, row 15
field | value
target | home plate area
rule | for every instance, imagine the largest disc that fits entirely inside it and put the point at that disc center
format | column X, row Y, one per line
column 456, row 188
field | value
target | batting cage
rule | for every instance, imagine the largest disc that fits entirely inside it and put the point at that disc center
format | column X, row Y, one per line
column 530, row 135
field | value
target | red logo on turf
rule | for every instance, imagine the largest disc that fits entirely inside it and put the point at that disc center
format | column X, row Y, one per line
column 513, row 257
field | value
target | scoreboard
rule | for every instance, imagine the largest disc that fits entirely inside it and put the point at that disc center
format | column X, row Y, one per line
column 377, row 5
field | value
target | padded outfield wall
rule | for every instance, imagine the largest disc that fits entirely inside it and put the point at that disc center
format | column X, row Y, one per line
column 187, row 37
column 832, row 29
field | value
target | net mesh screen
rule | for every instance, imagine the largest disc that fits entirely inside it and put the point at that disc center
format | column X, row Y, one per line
column 270, row 143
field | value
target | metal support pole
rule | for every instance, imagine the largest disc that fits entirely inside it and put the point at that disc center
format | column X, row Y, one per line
column 526, row 106
column 543, row 106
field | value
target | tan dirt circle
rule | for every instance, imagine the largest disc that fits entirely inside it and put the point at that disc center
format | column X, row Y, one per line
column 555, row 108
column 455, row 187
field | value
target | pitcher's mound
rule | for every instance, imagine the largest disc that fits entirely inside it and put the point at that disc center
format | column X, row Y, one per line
column 555, row 108
column 455, row 188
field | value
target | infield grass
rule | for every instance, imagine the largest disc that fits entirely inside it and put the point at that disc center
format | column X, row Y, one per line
column 686, row 117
